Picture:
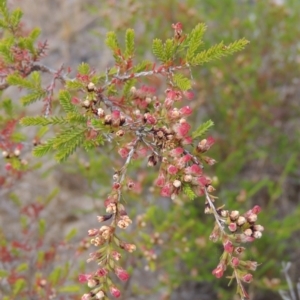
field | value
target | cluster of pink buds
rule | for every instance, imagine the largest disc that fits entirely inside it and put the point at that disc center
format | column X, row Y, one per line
column 242, row 228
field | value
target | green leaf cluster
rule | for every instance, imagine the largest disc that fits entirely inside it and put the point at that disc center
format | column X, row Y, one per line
column 9, row 20
column 32, row 83
column 191, row 46
column 68, row 139
column 188, row 191
column 164, row 52
column 65, row 143
column 182, row 82
column 113, row 44
column 217, row 51
column 202, row 129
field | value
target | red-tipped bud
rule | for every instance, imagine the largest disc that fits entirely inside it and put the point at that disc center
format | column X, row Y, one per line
column 228, row 246
column 121, row 273
column 172, row 170
column 219, row 270
column 185, row 111
column 235, row 262
column 115, row 292
column 84, row 277
column 247, row 278
column 232, row 227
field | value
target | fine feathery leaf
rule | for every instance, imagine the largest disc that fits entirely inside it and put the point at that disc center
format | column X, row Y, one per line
column 83, row 69
column 67, row 142
column 5, row 49
column 182, row 82
column 31, row 83
column 15, row 17
column 41, row 121
column 112, row 41
column 187, row 190
column 65, row 101
column 218, row 51
column 129, row 43
column 74, row 85
column 43, row 149
column 194, row 40
column 158, row 49
column 32, row 97
column 202, row 129
column 169, row 49
column 142, row 66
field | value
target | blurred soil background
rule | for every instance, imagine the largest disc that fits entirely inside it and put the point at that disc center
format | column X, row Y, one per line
column 253, row 99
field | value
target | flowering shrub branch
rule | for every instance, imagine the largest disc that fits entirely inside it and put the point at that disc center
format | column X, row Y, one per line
column 117, row 107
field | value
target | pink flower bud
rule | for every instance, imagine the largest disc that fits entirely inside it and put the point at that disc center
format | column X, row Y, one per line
column 176, row 152
column 189, row 95
column 196, row 170
column 115, row 292
column 182, row 129
column 123, row 152
column 172, row 170
column 247, row 278
column 219, row 270
column 121, row 273
column 150, row 119
column 167, row 190
column 101, row 272
column 160, row 181
column 232, row 227
column 228, row 246
column 235, row 262
column 187, row 140
column 84, row 277
column 256, row 209
column 186, row 111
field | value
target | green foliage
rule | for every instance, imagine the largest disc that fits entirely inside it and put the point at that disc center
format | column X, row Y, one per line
column 182, row 82
column 112, row 41
column 187, row 190
column 194, row 41
column 83, row 69
column 5, row 49
column 164, row 52
column 42, row 121
column 65, row 100
column 217, row 51
column 32, row 83
column 158, row 49
column 29, row 41
column 129, row 43
column 202, row 129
